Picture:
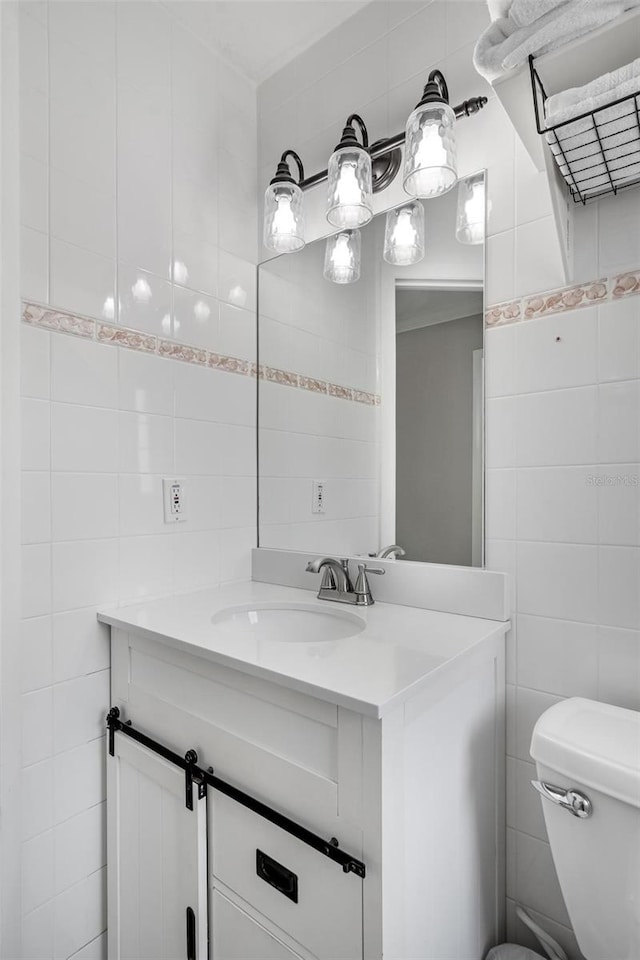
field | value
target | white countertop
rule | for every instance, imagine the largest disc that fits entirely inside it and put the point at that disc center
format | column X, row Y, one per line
column 397, row 654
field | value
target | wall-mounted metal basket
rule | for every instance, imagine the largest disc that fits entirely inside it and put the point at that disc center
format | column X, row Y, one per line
column 597, row 152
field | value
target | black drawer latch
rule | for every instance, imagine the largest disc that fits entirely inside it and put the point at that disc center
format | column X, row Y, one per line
column 278, row 876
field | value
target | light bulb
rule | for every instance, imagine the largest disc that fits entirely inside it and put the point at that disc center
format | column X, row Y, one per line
column 404, row 235
column 284, row 222
column 342, row 257
column 430, row 154
column 431, row 151
column 283, row 219
column 471, row 210
column 348, row 189
column 350, row 202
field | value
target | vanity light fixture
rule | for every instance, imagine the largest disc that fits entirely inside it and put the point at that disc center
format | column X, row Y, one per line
column 404, row 235
column 283, row 214
column 471, row 210
column 356, row 170
column 342, row 257
column 349, row 201
column 430, row 142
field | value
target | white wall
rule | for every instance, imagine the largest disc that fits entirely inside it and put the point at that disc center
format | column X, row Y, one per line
column 434, row 440
column 557, row 410
column 138, row 208
column 10, row 581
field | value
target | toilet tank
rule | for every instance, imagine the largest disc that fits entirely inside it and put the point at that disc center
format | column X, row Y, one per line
column 594, row 748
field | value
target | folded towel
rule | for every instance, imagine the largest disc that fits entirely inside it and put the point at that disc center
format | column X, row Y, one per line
column 499, row 8
column 505, row 45
column 609, row 134
column 525, row 12
column 576, row 100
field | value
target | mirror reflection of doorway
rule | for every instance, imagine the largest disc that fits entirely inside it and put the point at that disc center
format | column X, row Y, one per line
column 439, row 343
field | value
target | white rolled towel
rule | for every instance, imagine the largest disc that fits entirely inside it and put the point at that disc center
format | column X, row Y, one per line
column 525, row 12
column 576, row 100
column 499, row 8
column 507, row 44
column 579, row 149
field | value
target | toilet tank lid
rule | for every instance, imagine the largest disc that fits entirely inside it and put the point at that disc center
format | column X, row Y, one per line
column 595, row 743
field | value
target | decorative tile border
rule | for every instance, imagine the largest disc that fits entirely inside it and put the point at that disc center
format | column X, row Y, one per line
column 626, row 284
column 561, row 301
column 126, row 338
column 50, row 319
column 503, row 313
column 55, row 320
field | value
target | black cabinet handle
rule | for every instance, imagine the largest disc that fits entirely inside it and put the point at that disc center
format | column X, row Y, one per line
column 191, row 934
column 277, row 876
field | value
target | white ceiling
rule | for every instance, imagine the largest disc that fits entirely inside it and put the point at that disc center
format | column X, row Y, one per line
column 261, row 36
column 426, row 306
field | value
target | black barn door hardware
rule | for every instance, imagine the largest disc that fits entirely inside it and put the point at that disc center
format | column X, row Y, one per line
column 206, row 778
column 191, row 934
column 188, row 763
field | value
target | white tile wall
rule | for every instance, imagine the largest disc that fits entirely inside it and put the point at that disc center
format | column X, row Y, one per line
column 563, row 516
column 93, row 533
column 117, row 225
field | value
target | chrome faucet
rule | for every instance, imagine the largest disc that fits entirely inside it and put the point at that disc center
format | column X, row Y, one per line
column 336, row 582
column 391, row 553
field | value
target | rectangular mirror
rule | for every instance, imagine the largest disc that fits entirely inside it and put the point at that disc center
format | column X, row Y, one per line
column 370, row 399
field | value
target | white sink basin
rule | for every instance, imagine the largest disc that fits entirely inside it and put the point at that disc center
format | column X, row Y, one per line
column 288, row 622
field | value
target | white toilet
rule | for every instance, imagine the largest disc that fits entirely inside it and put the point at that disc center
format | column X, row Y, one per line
column 588, row 762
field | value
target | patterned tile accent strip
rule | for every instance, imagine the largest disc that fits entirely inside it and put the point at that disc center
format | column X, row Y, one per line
column 50, row 319
column 127, row 338
column 626, row 284
column 55, row 320
column 503, row 313
column 563, row 300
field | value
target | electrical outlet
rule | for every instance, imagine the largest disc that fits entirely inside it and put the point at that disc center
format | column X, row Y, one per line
column 317, row 505
column 174, row 500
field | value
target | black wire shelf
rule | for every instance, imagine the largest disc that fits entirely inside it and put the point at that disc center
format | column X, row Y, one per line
column 597, row 152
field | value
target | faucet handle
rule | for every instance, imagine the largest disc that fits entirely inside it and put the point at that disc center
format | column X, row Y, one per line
column 362, row 589
column 363, row 568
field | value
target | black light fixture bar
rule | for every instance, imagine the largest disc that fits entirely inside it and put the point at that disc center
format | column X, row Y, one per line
column 465, row 109
column 205, row 777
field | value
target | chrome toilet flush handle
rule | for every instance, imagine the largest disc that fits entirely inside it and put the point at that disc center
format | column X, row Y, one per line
column 572, row 800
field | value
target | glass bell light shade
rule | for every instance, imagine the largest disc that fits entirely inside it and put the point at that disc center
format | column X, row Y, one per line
column 342, row 257
column 430, row 150
column 350, row 196
column 404, row 235
column 283, row 218
column 471, row 210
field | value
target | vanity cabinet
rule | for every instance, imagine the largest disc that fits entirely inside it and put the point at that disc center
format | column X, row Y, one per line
column 415, row 794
